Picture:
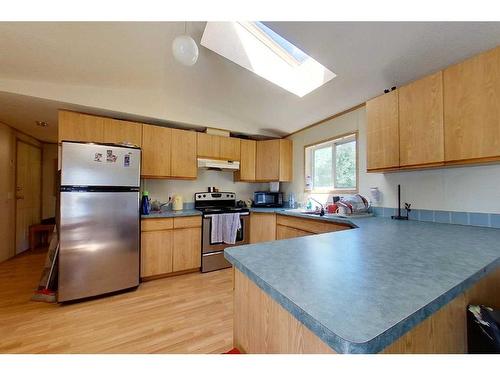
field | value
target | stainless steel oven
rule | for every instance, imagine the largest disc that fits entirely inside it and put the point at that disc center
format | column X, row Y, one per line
column 213, row 253
column 212, row 204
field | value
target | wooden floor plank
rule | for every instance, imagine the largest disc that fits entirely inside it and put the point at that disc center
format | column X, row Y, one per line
column 191, row 313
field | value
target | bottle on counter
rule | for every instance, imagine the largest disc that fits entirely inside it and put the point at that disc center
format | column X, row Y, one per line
column 145, row 203
column 291, row 200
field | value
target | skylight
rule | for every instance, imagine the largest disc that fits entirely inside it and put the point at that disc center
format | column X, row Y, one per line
column 259, row 49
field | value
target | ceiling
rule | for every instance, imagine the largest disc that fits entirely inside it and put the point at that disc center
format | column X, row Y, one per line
column 126, row 70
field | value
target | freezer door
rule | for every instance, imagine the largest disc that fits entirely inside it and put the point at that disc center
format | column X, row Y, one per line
column 88, row 164
column 99, row 243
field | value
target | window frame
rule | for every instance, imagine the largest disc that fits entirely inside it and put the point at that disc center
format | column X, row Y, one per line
column 330, row 142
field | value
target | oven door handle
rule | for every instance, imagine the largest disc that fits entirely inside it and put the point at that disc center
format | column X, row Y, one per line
column 242, row 214
column 216, row 253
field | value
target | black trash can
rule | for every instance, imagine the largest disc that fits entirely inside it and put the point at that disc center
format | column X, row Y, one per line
column 483, row 330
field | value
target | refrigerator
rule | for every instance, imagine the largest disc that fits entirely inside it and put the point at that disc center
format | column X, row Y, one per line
column 99, row 219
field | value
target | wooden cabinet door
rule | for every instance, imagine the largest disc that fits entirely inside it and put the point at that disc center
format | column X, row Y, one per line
column 471, row 108
column 267, row 165
column 262, row 227
column 156, row 252
column 286, row 160
column 421, row 129
column 229, row 148
column 118, row 131
column 156, row 151
column 247, row 160
column 187, row 249
column 74, row 126
column 382, row 132
column 208, row 146
column 184, row 163
column 283, row 232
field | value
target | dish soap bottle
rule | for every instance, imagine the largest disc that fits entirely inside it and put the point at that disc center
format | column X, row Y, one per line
column 145, row 203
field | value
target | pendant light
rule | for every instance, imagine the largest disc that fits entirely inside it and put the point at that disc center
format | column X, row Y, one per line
column 185, row 49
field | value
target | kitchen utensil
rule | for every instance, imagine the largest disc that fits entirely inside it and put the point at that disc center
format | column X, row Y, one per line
column 177, row 202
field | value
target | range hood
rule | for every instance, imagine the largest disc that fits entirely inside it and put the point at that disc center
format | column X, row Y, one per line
column 220, row 165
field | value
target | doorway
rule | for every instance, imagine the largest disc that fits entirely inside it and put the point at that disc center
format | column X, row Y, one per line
column 28, row 191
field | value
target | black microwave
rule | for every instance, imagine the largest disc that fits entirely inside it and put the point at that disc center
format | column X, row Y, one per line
column 267, row 199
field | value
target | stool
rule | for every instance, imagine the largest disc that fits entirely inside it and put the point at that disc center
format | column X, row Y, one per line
column 45, row 232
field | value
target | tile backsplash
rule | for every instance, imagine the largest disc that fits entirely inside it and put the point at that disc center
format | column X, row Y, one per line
column 448, row 217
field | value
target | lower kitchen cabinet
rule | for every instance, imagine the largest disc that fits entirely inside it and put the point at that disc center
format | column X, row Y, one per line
column 187, row 249
column 282, row 232
column 170, row 245
column 156, row 252
column 262, row 227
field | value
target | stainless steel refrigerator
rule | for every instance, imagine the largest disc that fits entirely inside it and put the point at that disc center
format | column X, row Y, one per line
column 99, row 219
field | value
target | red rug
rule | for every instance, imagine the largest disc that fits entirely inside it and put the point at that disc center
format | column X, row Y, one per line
column 233, row 351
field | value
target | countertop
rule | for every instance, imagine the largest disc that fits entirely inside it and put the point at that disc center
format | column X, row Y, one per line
column 361, row 289
column 170, row 213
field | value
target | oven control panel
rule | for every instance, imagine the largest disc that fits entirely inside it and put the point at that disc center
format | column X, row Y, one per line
column 205, row 196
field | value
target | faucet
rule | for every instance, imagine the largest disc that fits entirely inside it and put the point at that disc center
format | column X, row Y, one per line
column 322, row 212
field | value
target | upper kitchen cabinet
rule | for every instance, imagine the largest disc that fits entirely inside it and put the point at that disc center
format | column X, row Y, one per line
column 184, row 154
column 471, row 109
column 74, row 126
column 382, row 132
column 218, row 147
column 229, row 148
column 248, row 149
column 421, row 131
column 156, row 151
column 274, row 160
column 119, row 131
column 208, row 146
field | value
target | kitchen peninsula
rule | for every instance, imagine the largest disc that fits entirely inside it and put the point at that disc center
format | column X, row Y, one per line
column 382, row 286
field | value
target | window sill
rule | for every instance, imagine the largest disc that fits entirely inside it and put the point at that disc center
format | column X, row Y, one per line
column 337, row 191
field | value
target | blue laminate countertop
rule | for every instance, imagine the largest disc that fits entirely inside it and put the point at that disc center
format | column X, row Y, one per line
column 170, row 213
column 361, row 289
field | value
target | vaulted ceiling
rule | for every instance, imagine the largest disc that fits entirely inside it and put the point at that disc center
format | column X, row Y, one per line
column 126, row 70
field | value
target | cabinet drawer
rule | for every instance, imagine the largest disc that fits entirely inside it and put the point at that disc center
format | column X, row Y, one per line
column 148, row 225
column 187, row 222
column 283, row 232
column 310, row 225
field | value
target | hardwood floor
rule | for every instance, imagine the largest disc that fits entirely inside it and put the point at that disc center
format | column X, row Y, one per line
column 184, row 314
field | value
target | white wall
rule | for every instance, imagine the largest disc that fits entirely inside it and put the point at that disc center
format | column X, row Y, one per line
column 160, row 189
column 471, row 188
column 49, row 170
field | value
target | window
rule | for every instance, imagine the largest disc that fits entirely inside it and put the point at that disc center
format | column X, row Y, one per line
column 332, row 165
column 256, row 47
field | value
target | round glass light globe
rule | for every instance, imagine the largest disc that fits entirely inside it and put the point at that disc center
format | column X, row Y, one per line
column 185, row 50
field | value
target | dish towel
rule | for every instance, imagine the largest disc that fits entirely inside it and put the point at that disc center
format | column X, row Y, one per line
column 225, row 228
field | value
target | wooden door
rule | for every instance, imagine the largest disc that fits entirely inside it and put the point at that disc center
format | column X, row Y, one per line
column 421, row 129
column 262, row 227
column 208, row 146
column 73, row 126
column 267, row 165
column 187, row 249
column 118, row 131
column 471, row 108
column 229, row 148
column 286, row 160
column 28, row 192
column 184, row 163
column 247, row 160
column 156, row 151
column 283, row 232
column 382, row 132
column 156, row 252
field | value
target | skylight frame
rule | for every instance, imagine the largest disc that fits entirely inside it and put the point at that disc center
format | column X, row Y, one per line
column 251, row 48
column 269, row 42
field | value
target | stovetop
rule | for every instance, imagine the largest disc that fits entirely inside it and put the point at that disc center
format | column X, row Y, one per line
column 217, row 203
